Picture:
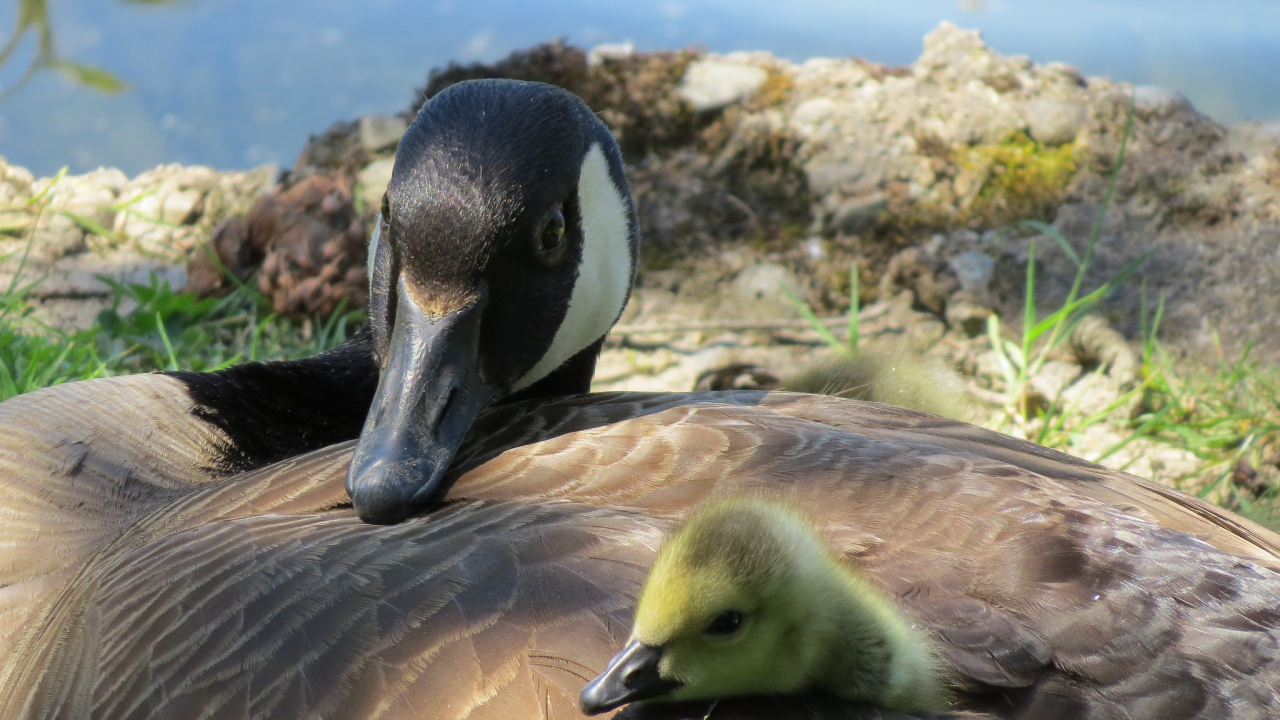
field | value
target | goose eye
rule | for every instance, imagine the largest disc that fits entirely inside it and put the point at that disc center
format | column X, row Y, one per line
column 726, row 623
column 551, row 241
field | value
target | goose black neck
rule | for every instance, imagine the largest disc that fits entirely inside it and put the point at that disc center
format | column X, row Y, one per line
column 270, row 411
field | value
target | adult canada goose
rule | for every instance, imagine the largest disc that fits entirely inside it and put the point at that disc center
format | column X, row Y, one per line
column 144, row 574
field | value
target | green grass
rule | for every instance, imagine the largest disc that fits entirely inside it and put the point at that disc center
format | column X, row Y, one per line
column 847, row 348
column 1227, row 418
column 150, row 327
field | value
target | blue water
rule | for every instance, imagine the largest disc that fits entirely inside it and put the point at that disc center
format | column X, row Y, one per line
column 237, row 83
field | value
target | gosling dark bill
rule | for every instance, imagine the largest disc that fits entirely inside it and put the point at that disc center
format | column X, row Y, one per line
column 632, row 675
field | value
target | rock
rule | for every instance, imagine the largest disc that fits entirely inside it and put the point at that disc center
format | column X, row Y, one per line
column 89, row 196
column 337, row 149
column 713, row 84
column 1096, row 343
column 757, row 291
column 929, row 280
column 892, row 323
column 57, row 236
column 73, row 206
column 952, row 52
column 374, row 179
column 814, row 248
column 858, row 215
column 15, row 183
column 836, row 160
column 1255, row 140
column 167, row 210
column 973, row 269
column 79, row 276
column 1064, row 74
column 829, row 176
column 1095, row 393
column 603, row 52
column 1156, row 100
column 1054, row 378
column 381, row 132
column 814, row 116
column 181, row 207
column 1055, row 121
column 103, row 224
column 966, row 314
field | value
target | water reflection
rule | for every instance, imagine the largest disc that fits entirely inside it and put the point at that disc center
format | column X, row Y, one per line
column 33, row 17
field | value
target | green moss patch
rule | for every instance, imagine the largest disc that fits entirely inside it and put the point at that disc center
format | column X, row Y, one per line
column 1012, row 180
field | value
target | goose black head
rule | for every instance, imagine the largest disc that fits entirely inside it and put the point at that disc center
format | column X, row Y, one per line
column 505, row 250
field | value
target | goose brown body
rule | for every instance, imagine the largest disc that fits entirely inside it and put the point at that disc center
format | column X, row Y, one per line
column 140, row 580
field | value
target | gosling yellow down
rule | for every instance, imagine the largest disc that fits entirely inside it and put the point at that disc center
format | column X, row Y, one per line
column 746, row 599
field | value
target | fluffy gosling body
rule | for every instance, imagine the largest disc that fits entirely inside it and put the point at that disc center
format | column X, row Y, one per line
column 746, row 598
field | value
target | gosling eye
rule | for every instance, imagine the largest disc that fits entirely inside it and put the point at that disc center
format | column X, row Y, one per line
column 725, row 624
column 551, row 241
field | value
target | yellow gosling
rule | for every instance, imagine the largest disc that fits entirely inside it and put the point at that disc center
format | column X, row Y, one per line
column 745, row 598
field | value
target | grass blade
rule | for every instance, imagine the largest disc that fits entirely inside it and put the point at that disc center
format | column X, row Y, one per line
column 1052, row 233
column 1029, row 305
column 853, row 308
column 807, row 313
column 7, row 387
column 168, row 347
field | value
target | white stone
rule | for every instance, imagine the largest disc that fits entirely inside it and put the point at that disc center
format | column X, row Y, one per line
column 713, row 84
column 1055, row 121
column 374, row 179
column 378, row 132
column 1156, row 99
column 178, row 207
column 974, row 270
column 757, row 291
column 609, row 51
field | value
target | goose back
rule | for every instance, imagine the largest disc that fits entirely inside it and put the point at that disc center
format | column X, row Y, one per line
column 1054, row 588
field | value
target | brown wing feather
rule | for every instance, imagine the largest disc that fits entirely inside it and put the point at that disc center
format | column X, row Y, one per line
column 81, row 462
column 260, row 596
column 1135, row 495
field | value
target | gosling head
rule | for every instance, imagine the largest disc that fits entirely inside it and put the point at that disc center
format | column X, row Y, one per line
column 504, row 251
column 746, row 599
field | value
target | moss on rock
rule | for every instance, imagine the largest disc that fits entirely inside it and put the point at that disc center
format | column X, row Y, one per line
column 1015, row 179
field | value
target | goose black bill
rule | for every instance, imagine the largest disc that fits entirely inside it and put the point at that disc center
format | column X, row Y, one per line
column 428, row 397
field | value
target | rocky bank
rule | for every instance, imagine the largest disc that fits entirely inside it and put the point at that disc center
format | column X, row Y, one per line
column 752, row 173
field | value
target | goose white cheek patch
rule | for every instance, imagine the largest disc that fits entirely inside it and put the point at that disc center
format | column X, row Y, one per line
column 604, row 273
column 373, row 249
